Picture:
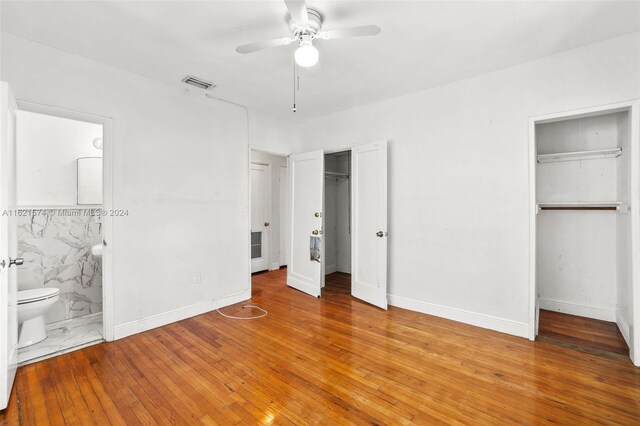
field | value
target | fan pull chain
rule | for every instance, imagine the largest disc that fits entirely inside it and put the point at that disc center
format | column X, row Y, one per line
column 294, row 86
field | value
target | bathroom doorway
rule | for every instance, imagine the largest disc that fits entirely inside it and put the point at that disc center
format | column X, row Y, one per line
column 63, row 197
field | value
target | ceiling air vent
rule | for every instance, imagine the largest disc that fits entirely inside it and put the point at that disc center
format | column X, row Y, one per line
column 195, row 81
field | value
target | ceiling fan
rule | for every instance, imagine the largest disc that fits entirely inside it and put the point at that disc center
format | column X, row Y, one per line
column 306, row 25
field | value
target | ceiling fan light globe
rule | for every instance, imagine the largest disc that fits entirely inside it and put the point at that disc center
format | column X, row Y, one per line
column 306, row 55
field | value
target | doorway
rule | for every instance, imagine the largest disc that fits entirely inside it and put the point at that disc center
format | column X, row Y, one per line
column 268, row 183
column 63, row 192
column 337, row 224
column 584, row 233
column 362, row 181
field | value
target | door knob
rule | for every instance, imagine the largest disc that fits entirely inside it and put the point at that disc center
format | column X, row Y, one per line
column 380, row 234
column 314, row 232
column 17, row 261
column 318, row 214
column 266, row 224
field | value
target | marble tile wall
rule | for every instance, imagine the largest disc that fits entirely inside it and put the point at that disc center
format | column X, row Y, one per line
column 56, row 247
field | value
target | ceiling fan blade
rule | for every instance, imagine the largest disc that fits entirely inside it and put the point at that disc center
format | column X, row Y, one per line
column 298, row 11
column 367, row 30
column 259, row 45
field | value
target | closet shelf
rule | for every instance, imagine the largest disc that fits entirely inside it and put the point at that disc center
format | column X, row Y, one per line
column 336, row 174
column 584, row 205
column 580, row 155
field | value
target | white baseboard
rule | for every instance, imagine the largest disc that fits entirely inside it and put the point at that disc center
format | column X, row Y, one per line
column 624, row 328
column 502, row 325
column 330, row 269
column 274, row 266
column 594, row 312
column 158, row 320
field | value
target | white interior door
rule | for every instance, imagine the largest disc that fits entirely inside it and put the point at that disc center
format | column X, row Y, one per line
column 306, row 193
column 369, row 223
column 8, row 246
column 260, row 216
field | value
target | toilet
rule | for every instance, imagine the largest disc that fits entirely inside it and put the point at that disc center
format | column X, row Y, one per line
column 32, row 305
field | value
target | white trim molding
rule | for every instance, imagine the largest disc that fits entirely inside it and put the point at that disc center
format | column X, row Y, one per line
column 623, row 326
column 595, row 312
column 490, row 322
column 158, row 320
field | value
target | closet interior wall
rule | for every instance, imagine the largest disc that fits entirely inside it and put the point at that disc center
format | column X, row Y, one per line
column 584, row 229
column 337, row 226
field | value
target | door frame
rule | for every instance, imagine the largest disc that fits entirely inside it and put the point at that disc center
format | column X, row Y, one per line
column 107, row 200
column 633, row 107
column 265, row 150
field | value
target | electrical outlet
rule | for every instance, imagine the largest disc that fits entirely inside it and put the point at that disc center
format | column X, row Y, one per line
column 197, row 278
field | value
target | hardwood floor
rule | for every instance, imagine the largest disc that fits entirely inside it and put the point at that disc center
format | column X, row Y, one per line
column 587, row 335
column 337, row 288
column 324, row 361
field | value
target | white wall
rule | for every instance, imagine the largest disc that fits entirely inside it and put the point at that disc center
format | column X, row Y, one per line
column 343, row 225
column 283, row 182
column 270, row 133
column 275, row 243
column 577, row 263
column 458, row 176
column 180, row 167
column 330, row 215
column 47, row 151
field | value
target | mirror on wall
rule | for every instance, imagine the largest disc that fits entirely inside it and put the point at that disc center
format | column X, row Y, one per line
column 89, row 180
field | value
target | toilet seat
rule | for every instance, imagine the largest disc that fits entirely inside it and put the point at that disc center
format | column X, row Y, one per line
column 36, row 295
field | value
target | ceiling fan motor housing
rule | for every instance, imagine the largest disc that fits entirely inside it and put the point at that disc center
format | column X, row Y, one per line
column 314, row 26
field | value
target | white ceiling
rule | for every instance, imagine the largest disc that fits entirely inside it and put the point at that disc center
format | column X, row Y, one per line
column 422, row 44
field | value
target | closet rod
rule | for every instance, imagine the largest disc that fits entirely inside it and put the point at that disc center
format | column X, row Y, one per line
column 580, row 208
column 586, row 205
column 337, row 174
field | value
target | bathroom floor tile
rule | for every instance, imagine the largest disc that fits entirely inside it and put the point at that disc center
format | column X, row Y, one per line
column 64, row 336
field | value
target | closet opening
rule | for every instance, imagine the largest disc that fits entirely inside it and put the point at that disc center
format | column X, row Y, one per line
column 583, row 237
column 337, row 225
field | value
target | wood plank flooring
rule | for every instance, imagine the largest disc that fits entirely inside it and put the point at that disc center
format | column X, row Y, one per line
column 327, row 361
column 588, row 335
column 337, row 288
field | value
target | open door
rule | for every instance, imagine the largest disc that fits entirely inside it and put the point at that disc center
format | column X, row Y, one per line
column 306, row 195
column 8, row 246
column 369, row 223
